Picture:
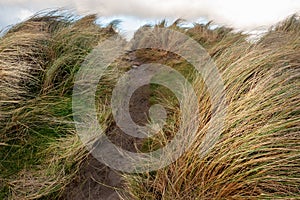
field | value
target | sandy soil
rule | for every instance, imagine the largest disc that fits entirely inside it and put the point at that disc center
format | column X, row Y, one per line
column 97, row 181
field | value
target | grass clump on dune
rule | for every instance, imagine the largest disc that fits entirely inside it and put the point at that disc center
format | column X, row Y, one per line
column 256, row 156
column 40, row 151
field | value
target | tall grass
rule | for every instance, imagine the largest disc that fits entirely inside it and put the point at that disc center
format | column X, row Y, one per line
column 40, row 151
column 256, row 156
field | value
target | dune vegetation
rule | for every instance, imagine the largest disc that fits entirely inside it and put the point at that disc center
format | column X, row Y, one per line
column 257, row 155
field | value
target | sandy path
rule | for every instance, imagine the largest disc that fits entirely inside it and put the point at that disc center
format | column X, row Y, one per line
column 97, row 181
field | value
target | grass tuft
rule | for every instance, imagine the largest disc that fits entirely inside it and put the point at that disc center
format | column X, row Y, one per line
column 255, row 157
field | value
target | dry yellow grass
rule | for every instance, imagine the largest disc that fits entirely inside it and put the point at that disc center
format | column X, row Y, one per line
column 256, row 156
column 38, row 61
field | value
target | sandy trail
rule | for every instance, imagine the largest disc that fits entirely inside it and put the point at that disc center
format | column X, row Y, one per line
column 97, row 181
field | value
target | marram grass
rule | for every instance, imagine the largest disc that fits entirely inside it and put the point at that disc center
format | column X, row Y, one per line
column 256, row 157
column 258, row 153
column 40, row 150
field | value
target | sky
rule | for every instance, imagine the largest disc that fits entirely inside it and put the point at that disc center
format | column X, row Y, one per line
column 246, row 15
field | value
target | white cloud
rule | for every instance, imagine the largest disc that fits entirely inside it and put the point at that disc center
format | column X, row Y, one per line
column 254, row 13
column 24, row 14
column 12, row 15
column 241, row 14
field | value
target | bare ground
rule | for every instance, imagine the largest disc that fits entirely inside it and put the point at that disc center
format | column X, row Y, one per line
column 97, row 181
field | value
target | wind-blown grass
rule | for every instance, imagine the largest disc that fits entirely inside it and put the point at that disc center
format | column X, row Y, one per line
column 40, row 151
column 256, row 156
